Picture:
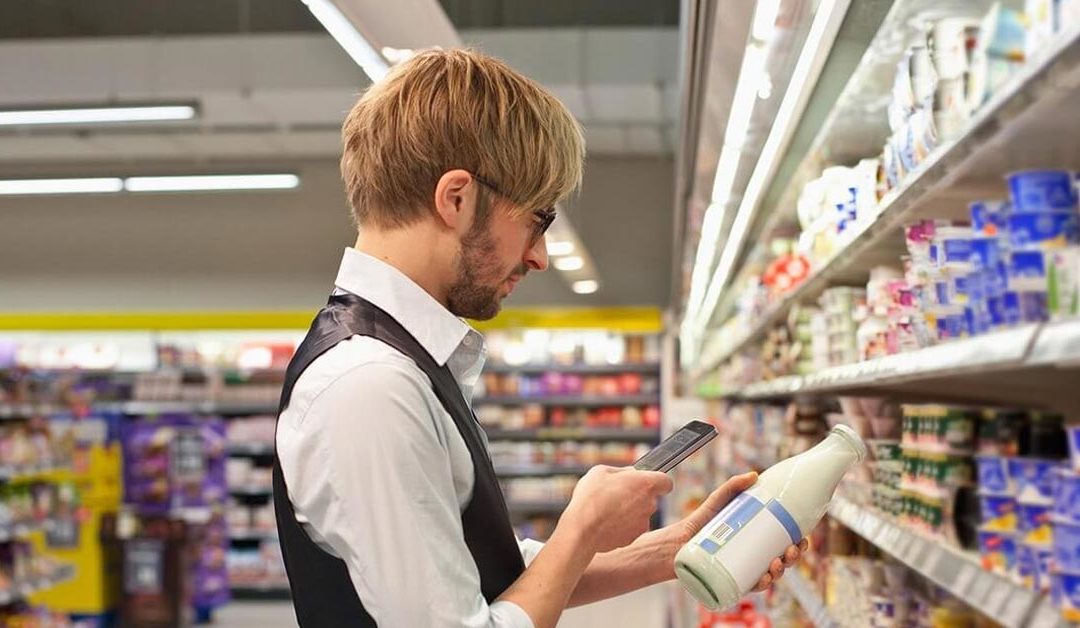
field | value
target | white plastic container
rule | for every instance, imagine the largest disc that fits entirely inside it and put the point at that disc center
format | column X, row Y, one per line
column 729, row 555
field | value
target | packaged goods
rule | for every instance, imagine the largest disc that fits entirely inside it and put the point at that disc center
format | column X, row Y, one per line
column 725, row 559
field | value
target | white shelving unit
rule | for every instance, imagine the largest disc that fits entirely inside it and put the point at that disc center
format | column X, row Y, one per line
column 958, row 572
column 809, row 600
column 1020, row 365
column 1032, row 116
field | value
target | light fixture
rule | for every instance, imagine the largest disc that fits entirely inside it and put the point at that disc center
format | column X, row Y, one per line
column 585, row 286
column 571, row 262
column 98, row 185
column 345, row 34
column 559, row 247
column 179, row 183
column 826, row 22
column 212, row 182
column 765, row 19
column 97, row 115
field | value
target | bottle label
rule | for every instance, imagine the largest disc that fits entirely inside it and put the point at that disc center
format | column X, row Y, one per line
column 746, row 535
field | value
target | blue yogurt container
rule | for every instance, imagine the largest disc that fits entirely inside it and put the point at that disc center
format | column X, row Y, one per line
column 1042, row 190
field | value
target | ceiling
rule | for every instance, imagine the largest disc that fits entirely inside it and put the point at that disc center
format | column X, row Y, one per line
column 124, row 18
column 273, row 88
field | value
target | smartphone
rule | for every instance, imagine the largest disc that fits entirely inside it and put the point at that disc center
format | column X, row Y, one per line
column 677, row 447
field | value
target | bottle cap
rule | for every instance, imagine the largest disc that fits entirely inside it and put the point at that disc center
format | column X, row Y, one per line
column 853, row 438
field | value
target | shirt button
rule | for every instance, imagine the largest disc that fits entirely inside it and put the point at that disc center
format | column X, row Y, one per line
column 468, row 342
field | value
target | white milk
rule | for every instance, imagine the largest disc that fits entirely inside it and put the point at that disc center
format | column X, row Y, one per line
column 730, row 554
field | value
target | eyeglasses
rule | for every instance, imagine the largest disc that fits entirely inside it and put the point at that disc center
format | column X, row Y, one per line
column 544, row 217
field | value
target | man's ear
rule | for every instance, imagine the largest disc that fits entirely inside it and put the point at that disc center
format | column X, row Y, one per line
column 455, row 198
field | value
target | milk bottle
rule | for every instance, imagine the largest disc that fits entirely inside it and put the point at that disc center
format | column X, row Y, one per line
column 729, row 555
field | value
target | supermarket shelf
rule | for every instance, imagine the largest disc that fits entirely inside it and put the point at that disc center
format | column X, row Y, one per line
column 539, row 470
column 249, row 450
column 251, row 491
column 611, row 434
column 262, row 592
column 1025, row 364
column 537, row 507
column 253, row 536
column 13, row 532
column 570, row 400
column 30, row 410
column 22, row 590
column 189, row 407
column 958, row 572
column 25, row 473
column 808, row 599
column 575, row 369
column 1023, row 113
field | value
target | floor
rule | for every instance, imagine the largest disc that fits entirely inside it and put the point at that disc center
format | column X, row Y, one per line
column 642, row 609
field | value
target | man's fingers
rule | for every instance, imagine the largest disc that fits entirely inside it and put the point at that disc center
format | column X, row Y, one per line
column 791, row 556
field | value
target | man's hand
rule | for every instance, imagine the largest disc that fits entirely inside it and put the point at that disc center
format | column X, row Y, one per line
column 611, row 506
column 713, row 504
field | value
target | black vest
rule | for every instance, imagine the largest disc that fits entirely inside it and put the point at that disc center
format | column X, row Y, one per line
column 322, row 592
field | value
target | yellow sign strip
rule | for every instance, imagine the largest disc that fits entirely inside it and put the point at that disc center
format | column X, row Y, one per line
column 624, row 319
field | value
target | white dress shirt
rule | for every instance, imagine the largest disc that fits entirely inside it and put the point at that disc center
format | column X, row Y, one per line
column 377, row 471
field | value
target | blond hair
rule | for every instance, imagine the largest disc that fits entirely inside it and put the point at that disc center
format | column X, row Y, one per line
column 448, row 109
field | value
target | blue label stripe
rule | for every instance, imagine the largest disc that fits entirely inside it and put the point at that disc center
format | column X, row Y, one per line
column 785, row 519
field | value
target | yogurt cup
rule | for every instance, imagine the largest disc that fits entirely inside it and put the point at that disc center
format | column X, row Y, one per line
column 989, row 218
column 1066, row 545
column 1034, row 482
column 1034, row 522
column 1073, row 431
column 1042, row 190
column 1044, row 561
column 1043, row 230
column 993, row 473
column 1070, row 596
column 1066, row 495
column 998, row 551
column 1027, row 566
column 999, row 512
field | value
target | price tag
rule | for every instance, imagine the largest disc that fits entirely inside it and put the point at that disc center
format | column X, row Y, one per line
column 964, row 580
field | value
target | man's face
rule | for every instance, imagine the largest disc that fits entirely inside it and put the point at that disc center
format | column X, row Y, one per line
column 496, row 253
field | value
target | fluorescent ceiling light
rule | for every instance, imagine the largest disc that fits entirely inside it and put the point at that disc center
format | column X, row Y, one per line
column 98, row 185
column 765, row 19
column 94, row 115
column 212, row 182
column 572, row 262
column 560, row 247
column 585, row 286
column 827, row 19
column 341, row 29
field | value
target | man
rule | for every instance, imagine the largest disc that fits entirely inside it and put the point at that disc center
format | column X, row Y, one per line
column 388, row 508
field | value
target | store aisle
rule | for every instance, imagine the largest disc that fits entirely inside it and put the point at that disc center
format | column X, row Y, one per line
column 642, row 609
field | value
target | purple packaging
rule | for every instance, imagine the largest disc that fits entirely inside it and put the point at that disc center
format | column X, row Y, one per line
column 986, row 253
column 1073, row 431
column 993, row 473
column 1042, row 190
column 1034, row 521
column 989, row 217
column 998, row 512
column 1047, row 230
column 1070, row 596
column 1067, row 545
column 1027, row 566
column 1066, row 484
column 998, row 551
column 1034, row 478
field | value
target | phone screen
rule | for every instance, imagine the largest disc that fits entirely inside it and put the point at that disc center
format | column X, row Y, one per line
column 677, row 447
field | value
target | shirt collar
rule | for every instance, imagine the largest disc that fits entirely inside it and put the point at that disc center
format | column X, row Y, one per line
column 433, row 326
